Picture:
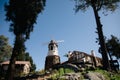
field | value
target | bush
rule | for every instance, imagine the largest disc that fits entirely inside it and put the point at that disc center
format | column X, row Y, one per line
column 61, row 71
column 109, row 75
column 67, row 70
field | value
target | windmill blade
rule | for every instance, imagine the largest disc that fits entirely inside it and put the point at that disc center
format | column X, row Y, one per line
column 58, row 41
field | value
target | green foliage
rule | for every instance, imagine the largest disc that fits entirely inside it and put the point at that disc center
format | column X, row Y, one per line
column 116, row 76
column 113, row 46
column 27, row 57
column 54, row 74
column 66, row 55
column 108, row 5
column 42, row 71
column 109, row 75
column 61, row 71
column 67, row 70
column 33, row 67
column 105, row 73
column 97, row 5
column 23, row 14
column 5, row 48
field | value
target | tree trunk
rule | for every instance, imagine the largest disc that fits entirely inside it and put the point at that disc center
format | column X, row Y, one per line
column 106, row 64
column 11, row 68
column 112, row 62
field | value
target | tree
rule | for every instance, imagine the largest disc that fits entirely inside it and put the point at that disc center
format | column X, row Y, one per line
column 27, row 57
column 113, row 46
column 98, row 5
column 22, row 15
column 33, row 66
column 5, row 49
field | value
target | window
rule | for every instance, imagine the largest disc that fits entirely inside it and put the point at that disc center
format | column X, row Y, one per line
column 51, row 47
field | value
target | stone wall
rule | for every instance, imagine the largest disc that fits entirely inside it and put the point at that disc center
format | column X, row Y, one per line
column 51, row 61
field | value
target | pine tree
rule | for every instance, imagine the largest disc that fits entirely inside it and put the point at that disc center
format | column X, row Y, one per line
column 5, row 49
column 22, row 15
column 98, row 5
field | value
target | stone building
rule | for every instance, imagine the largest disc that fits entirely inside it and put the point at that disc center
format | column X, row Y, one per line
column 52, row 57
column 20, row 67
column 77, row 57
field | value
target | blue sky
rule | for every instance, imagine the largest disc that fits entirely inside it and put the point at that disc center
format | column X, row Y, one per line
column 59, row 21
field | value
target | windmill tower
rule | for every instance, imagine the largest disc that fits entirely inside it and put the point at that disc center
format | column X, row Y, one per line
column 52, row 57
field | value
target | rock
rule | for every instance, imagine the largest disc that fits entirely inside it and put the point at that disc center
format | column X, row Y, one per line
column 70, row 76
column 94, row 76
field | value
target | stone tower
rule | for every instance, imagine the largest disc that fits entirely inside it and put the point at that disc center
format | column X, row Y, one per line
column 52, row 57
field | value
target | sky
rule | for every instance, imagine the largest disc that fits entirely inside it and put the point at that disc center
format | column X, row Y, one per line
column 60, row 22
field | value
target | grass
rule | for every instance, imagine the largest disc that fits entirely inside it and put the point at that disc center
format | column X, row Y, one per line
column 109, row 75
column 55, row 74
column 115, row 76
column 60, row 72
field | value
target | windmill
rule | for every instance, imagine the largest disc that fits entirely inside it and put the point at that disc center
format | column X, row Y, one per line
column 52, row 57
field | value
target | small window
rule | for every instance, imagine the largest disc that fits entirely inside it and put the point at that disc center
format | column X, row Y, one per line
column 51, row 47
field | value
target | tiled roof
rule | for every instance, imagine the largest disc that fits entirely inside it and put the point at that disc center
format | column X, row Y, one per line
column 17, row 62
